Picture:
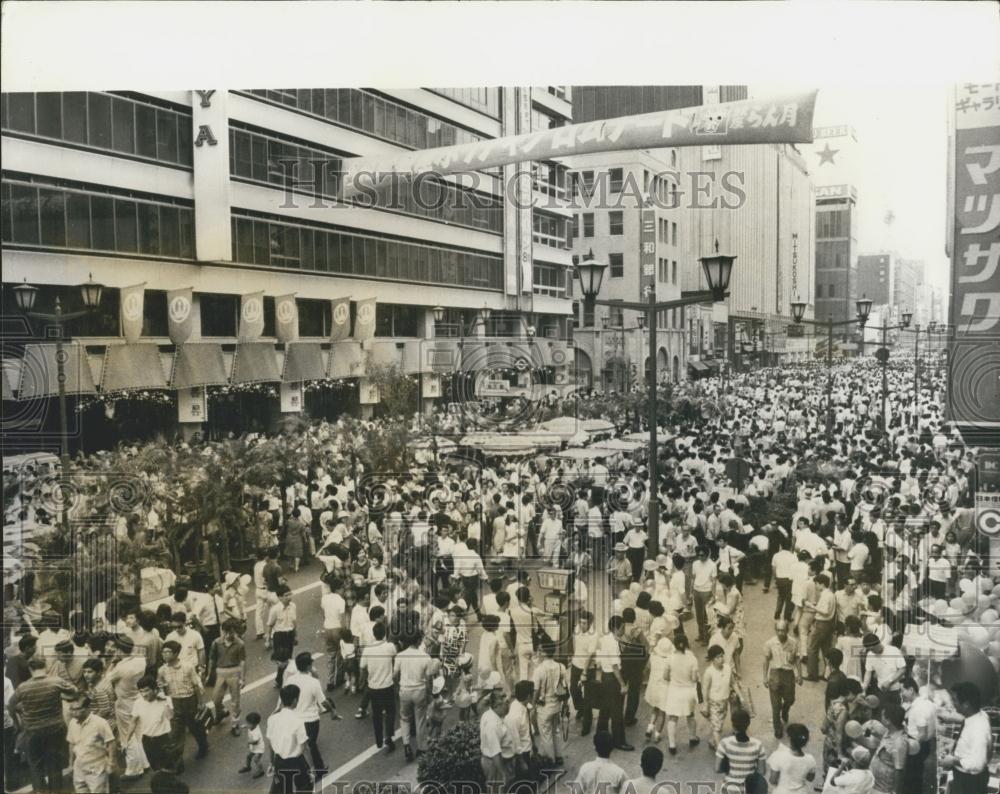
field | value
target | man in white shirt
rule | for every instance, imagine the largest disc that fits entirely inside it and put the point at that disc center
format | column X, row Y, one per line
column 312, row 702
column 191, row 642
column 377, row 664
column 411, row 670
column 470, row 571
column 783, row 564
column 921, row 724
column 884, row 666
column 938, row 573
column 550, row 536
column 582, row 670
column 601, row 776
column 969, row 760
column 704, row 574
column 496, row 746
column 287, row 739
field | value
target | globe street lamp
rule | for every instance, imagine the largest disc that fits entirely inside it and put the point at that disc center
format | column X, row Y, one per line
column 25, row 295
column 718, row 271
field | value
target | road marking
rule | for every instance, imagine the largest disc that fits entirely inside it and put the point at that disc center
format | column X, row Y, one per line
column 354, row 763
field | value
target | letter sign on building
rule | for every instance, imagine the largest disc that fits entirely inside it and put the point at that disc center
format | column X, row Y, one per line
column 205, row 135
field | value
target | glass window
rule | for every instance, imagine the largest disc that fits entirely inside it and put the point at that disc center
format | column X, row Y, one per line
column 616, row 222
column 149, row 228
column 319, row 252
column 125, row 228
column 383, row 319
column 616, row 178
column 258, row 155
column 333, row 263
column 21, row 115
column 74, row 106
column 145, row 128
column 358, row 255
column 185, row 142
column 166, row 135
column 617, row 263
column 187, row 233
column 218, row 314
column 103, row 222
column 406, row 321
column 588, row 224
column 306, row 249
column 52, row 206
column 77, row 220
column 170, row 243
column 123, row 125
column 311, row 317
column 99, row 120
column 261, row 243
column 49, row 108
column 24, row 208
column 154, row 313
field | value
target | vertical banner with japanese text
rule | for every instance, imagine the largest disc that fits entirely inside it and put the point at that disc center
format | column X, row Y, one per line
column 180, row 322
column 974, row 352
column 132, row 300
column 647, row 248
column 192, row 404
column 291, row 397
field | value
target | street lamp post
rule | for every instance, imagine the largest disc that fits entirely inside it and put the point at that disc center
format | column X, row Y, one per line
column 717, row 269
column 863, row 308
column 883, row 359
column 24, row 297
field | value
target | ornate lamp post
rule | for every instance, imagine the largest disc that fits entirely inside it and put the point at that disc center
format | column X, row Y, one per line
column 718, row 270
column 863, row 308
column 24, row 297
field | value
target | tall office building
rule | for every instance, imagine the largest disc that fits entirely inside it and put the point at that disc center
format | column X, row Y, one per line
column 230, row 194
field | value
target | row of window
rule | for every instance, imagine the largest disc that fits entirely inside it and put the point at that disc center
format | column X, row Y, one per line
column 542, row 120
column 835, row 223
column 274, row 242
column 485, row 100
column 552, row 280
column 90, row 220
column 101, row 121
column 268, row 159
column 589, row 183
column 666, row 231
column 666, row 271
column 551, row 230
column 362, row 110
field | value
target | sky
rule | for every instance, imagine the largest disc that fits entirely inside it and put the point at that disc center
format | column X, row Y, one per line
column 900, row 164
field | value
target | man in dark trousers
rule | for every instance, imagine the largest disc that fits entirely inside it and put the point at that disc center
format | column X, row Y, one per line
column 633, row 646
column 612, row 690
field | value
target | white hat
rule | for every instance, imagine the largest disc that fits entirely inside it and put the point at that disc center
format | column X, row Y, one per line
column 437, row 685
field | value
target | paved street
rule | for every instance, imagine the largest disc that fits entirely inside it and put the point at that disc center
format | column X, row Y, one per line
column 348, row 745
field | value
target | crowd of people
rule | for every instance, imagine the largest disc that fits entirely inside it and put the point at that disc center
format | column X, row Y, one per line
column 428, row 618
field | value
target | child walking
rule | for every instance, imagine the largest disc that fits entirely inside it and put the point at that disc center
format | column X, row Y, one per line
column 255, row 746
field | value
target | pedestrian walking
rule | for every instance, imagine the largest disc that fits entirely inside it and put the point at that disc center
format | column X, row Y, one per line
column 38, row 703
column 613, row 685
column 377, row 664
column 681, row 674
column 287, row 739
column 282, row 621
column 412, row 670
column 781, row 674
column 185, row 689
column 311, row 703
column 551, row 692
column 739, row 755
column 92, row 749
column 227, row 666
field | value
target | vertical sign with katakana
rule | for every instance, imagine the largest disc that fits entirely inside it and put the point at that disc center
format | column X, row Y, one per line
column 974, row 356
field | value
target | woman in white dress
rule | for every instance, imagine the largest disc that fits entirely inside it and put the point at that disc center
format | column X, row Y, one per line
column 681, row 674
column 676, row 587
column 657, row 688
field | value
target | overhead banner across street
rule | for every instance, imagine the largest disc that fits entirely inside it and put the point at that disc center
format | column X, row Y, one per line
column 784, row 119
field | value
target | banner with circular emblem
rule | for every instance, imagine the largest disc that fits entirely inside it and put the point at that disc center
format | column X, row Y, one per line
column 364, row 322
column 132, row 300
column 340, row 315
column 251, row 316
column 286, row 318
column 179, row 315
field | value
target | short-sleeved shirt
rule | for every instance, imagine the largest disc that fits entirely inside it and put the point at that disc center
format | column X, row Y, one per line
column 600, row 776
column 89, row 740
column 888, row 759
column 311, row 696
column 191, row 643
column 743, row 757
column 39, row 702
column 780, row 654
column 286, row 732
column 153, row 715
column 793, row 770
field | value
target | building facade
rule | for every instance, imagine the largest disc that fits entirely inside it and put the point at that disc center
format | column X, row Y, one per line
column 609, row 191
column 836, row 252
column 758, row 202
column 875, row 278
column 233, row 193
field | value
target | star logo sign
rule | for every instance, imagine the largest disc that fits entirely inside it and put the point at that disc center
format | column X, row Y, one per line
column 826, row 156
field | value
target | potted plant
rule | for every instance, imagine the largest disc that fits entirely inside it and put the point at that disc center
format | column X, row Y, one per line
column 453, row 761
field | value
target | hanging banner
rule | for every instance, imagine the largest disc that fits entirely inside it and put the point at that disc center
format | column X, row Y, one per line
column 430, row 384
column 192, row 404
column 974, row 351
column 647, row 249
column 780, row 119
column 180, row 321
column 367, row 392
column 132, row 299
column 340, row 315
column 286, row 318
column 291, row 397
column 364, row 322
column 251, row 316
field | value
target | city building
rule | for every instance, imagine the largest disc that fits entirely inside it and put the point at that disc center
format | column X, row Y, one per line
column 610, row 189
column 836, row 252
column 758, row 202
column 875, row 278
column 596, row 102
column 231, row 196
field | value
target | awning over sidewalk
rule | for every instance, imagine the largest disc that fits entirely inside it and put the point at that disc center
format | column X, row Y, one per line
column 303, row 361
column 132, row 367
column 346, row 360
column 39, row 372
column 255, row 362
column 198, row 364
column 698, row 366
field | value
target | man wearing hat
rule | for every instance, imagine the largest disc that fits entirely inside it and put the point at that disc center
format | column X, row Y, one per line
column 885, row 669
column 621, row 569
